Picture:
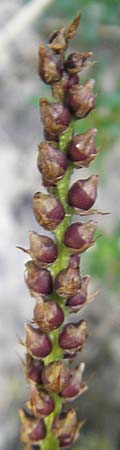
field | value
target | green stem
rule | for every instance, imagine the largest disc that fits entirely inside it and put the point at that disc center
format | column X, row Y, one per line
column 61, row 191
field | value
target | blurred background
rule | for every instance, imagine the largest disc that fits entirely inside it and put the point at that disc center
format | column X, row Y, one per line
column 23, row 26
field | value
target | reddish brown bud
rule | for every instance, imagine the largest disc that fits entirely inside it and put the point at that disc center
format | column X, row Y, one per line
column 49, row 70
column 83, row 193
column 48, row 315
column 81, row 99
column 38, row 432
column 81, row 149
column 79, row 236
column 73, row 337
column 76, row 386
column 40, row 404
column 55, row 376
column 32, row 429
column 68, row 280
column 48, row 211
column 76, row 62
column 38, row 280
column 65, row 428
column 55, row 116
column 33, row 369
column 57, row 41
column 38, row 344
column 42, row 250
column 51, row 162
column 77, row 301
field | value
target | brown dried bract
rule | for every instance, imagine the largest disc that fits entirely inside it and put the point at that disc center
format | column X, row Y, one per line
column 57, row 41
column 73, row 27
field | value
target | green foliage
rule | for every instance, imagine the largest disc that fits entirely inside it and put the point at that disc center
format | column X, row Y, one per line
column 93, row 442
column 103, row 261
column 67, row 8
column 93, row 14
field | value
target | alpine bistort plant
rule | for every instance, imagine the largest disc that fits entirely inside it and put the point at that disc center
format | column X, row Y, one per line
column 53, row 272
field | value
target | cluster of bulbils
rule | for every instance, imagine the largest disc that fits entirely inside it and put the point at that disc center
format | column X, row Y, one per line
column 68, row 290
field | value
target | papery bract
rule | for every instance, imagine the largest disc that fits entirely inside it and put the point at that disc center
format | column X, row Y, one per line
column 48, row 210
column 83, row 193
column 68, row 280
column 37, row 343
column 76, row 62
column 51, row 162
column 55, row 116
column 73, row 336
column 49, row 70
column 37, row 279
column 33, row 369
column 55, row 376
column 32, row 429
column 65, row 428
column 43, row 250
column 40, row 404
column 77, row 301
column 81, row 149
column 81, row 99
column 79, row 236
column 76, row 386
column 48, row 315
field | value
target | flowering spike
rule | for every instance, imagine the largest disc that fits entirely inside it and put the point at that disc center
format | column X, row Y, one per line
column 53, row 274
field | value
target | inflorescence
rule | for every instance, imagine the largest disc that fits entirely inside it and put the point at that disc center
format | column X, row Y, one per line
column 52, row 274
